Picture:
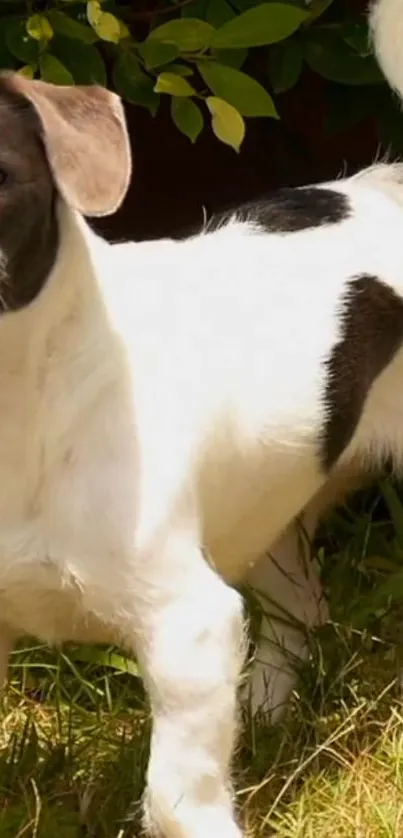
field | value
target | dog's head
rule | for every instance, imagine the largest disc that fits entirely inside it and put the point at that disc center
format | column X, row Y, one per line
column 54, row 140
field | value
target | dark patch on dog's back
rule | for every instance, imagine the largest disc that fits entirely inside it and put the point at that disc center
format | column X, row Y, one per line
column 371, row 334
column 285, row 211
column 292, row 210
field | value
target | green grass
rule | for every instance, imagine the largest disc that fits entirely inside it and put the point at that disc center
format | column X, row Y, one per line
column 74, row 725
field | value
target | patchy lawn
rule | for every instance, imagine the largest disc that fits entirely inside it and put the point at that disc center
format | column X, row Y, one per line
column 74, row 725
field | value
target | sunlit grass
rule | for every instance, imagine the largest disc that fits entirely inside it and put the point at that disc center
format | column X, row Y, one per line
column 74, row 725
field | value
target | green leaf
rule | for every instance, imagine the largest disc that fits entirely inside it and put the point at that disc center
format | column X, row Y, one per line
column 355, row 34
column 39, row 28
column 106, row 25
column 241, row 91
column 174, row 85
column 181, row 70
column 329, row 56
column 187, row 117
column 27, row 71
column 231, row 57
column 156, row 53
column 20, row 44
column 53, row 70
column 65, row 25
column 82, row 60
column 263, row 24
column 108, row 28
column 94, row 11
column 124, row 30
column 133, row 84
column 226, row 122
column 218, row 12
column 285, row 65
column 187, row 34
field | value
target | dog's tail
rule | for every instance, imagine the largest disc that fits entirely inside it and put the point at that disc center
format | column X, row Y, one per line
column 386, row 24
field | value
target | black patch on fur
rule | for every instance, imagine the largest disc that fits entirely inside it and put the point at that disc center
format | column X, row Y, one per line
column 283, row 211
column 29, row 235
column 31, row 251
column 372, row 333
column 292, row 210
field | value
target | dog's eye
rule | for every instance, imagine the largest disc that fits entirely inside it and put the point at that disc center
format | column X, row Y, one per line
column 3, row 177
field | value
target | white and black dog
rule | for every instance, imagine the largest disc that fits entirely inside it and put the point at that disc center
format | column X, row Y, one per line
column 167, row 409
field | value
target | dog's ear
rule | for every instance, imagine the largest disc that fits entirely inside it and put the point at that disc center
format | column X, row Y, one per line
column 85, row 137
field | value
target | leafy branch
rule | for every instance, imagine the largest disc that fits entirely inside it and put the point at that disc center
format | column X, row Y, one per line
column 197, row 57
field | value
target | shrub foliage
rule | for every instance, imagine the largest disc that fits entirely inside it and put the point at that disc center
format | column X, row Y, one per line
column 201, row 55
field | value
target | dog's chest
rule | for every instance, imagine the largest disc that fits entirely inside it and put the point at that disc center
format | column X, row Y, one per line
column 67, row 509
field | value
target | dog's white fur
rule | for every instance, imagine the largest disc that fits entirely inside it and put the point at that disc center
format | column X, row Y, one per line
column 160, row 408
